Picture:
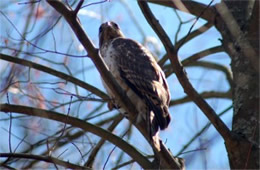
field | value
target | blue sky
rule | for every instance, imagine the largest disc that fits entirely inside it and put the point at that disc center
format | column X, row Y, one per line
column 187, row 119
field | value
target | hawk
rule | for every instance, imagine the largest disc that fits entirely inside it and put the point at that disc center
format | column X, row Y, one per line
column 138, row 74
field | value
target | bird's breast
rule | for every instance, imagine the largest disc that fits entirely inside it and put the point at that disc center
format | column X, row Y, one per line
column 110, row 57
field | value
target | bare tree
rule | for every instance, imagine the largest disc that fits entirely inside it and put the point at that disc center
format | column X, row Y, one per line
column 42, row 85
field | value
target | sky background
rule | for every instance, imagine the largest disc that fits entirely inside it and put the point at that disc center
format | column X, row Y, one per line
column 187, row 119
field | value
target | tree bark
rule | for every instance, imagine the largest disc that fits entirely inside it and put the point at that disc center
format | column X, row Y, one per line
column 243, row 151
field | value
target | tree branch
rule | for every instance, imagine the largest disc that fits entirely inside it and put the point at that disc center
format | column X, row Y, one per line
column 201, row 131
column 95, row 150
column 181, row 74
column 192, row 7
column 53, row 72
column 185, row 39
column 202, row 54
column 238, row 36
column 85, row 126
column 78, row 7
column 205, row 95
column 42, row 158
column 215, row 66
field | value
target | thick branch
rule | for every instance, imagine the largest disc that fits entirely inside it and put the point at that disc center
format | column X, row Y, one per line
column 238, row 36
column 85, row 126
column 42, row 158
column 181, row 74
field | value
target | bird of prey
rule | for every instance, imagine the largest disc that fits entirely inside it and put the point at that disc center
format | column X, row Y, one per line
column 138, row 74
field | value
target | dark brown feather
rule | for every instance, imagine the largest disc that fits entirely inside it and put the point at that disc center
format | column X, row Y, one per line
column 142, row 74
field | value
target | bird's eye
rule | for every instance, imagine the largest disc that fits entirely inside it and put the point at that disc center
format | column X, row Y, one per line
column 115, row 25
column 100, row 29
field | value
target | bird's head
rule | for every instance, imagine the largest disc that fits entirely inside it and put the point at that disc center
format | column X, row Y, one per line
column 109, row 31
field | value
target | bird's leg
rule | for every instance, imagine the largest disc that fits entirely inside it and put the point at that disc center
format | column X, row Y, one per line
column 111, row 104
column 149, row 126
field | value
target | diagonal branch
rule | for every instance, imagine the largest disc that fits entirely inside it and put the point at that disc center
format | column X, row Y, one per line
column 202, row 131
column 43, row 158
column 85, row 126
column 53, row 72
column 187, row 38
column 181, row 74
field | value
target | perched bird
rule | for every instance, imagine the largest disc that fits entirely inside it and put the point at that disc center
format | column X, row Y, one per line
column 138, row 74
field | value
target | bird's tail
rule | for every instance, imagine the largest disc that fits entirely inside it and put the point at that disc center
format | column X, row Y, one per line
column 159, row 117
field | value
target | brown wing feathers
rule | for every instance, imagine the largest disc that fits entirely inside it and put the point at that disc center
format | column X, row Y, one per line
column 140, row 74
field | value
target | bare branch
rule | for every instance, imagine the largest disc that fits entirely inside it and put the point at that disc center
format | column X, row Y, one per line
column 193, row 8
column 215, row 66
column 238, row 35
column 201, row 131
column 51, row 71
column 85, row 126
column 78, row 7
column 42, row 158
column 202, row 54
column 205, row 95
column 187, row 38
column 94, row 152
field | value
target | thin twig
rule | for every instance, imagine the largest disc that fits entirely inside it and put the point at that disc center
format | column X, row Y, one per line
column 201, row 131
column 63, row 130
column 34, row 45
column 114, row 148
column 197, row 18
column 94, row 152
column 10, row 127
column 94, row 3
column 191, row 36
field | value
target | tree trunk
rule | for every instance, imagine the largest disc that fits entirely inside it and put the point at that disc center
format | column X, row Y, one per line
column 243, row 149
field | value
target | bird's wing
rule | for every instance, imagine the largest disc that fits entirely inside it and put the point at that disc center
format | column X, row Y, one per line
column 143, row 75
